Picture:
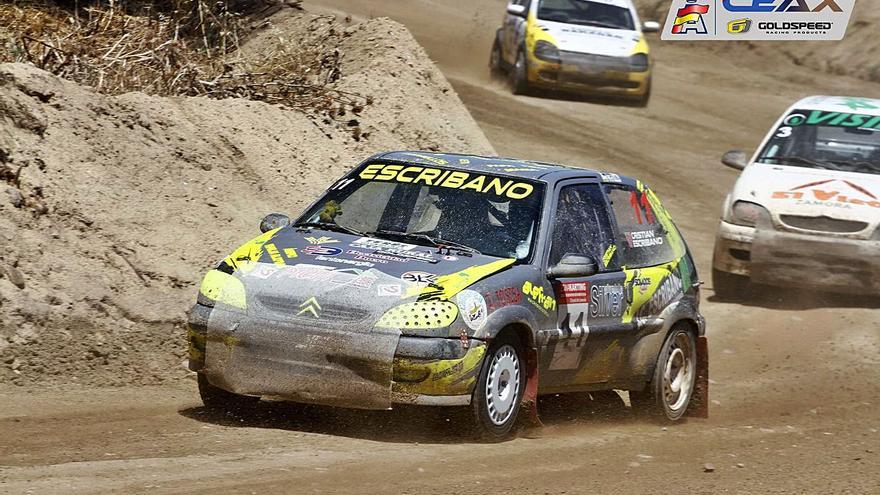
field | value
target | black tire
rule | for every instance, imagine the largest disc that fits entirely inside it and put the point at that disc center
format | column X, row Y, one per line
column 659, row 399
column 496, row 64
column 519, row 75
column 728, row 285
column 220, row 400
column 495, row 388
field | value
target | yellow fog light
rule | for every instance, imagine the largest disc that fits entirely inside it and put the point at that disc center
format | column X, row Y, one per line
column 422, row 314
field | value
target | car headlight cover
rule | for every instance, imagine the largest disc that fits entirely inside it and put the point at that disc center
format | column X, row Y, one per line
column 748, row 214
column 639, row 62
column 420, row 314
column 547, row 51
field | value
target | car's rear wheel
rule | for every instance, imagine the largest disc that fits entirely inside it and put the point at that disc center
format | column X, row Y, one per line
column 668, row 395
column 729, row 285
column 499, row 390
column 520, row 74
column 495, row 63
column 220, row 400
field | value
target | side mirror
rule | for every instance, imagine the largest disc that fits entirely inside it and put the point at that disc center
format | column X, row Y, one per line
column 650, row 27
column 274, row 221
column 517, row 10
column 574, row 265
column 735, row 159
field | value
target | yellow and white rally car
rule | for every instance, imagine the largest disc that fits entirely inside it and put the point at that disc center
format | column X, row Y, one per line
column 587, row 46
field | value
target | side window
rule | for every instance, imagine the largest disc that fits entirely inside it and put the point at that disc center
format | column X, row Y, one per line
column 582, row 226
column 645, row 240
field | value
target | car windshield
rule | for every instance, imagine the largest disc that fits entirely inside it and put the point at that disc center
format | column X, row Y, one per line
column 493, row 215
column 839, row 141
column 586, row 13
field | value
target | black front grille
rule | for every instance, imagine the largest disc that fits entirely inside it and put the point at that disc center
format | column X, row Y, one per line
column 823, row 224
column 293, row 310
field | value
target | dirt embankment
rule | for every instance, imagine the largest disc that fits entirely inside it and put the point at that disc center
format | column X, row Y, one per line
column 857, row 55
column 112, row 207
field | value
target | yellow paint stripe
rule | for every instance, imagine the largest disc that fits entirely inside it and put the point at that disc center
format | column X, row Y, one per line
column 609, row 253
column 290, row 252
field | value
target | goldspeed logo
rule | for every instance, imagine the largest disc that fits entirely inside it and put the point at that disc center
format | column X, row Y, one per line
column 690, row 19
column 455, row 179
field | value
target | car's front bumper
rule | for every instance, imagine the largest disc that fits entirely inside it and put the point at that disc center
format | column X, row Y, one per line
column 588, row 80
column 790, row 259
column 290, row 364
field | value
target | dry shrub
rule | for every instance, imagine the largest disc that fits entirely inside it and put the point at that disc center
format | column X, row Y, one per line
column 179, row 47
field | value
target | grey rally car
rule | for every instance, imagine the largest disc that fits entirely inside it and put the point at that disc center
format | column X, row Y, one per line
column 455, row 280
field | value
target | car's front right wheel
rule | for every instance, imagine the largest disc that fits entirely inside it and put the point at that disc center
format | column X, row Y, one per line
column 520, row 75
column 499, row 390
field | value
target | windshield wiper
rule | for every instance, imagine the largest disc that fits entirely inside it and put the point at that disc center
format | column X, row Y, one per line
column 597, row 24
column 335, row 227
column 436, row 241
column 858, row 164
column 806, row 161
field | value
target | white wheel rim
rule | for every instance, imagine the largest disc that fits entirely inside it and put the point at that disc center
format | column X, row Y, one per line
column 679, row 373
column 502, row 385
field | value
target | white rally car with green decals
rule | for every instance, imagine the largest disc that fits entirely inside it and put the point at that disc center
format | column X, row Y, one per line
column 805, row 212
column 584, row 46
column 454, row 280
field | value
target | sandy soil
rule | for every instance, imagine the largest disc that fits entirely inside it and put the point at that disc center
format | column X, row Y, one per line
column 795, row 377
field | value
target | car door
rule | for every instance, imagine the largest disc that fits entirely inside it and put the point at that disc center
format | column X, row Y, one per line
column 584, row 348
column 653, row 254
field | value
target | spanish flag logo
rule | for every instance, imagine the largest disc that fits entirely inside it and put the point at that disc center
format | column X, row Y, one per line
column 690, row 19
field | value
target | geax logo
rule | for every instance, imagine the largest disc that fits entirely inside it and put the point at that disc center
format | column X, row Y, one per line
column 780, row 5
column 739, row 26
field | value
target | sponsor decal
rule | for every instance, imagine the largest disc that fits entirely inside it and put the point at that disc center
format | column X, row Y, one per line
column 395, row 290
column 320, row 240
column 423, row 278
column 574, row 293
column 689, row 18
column 455, row 179
column 500, row 298
column 310, row 306
column 834, row 119
column 606, row 301
column 537, row 297
column 473, row 308
column 375, row 257
column 669, row 290
column 381, row 244
column 829, row 195
column 449, row 257
column 343, row 261
column 642, row 284
column 609, row 177
column 316, row 273
column 758, row 20
column 643, row 238
column 739, row 26
column 321, row 250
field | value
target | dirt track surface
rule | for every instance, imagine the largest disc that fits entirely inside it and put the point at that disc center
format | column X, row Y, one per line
column 795, row 377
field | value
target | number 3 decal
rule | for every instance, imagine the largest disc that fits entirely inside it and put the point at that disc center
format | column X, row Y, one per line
column 783, row 132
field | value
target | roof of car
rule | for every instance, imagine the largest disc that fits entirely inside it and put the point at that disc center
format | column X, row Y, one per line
column 527, row 169
column 847, row 104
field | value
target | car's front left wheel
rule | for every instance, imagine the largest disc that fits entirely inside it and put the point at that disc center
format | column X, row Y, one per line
column 217, row 399
column 499, row 390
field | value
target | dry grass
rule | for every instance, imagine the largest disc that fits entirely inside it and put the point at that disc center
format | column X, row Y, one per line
column 181, row 47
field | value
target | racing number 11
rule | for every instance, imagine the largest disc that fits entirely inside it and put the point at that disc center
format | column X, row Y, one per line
column 636, row 203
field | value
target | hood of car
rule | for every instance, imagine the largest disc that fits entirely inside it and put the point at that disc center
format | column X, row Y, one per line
column 592, row 39
column 806, row 192
column 316, row 277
